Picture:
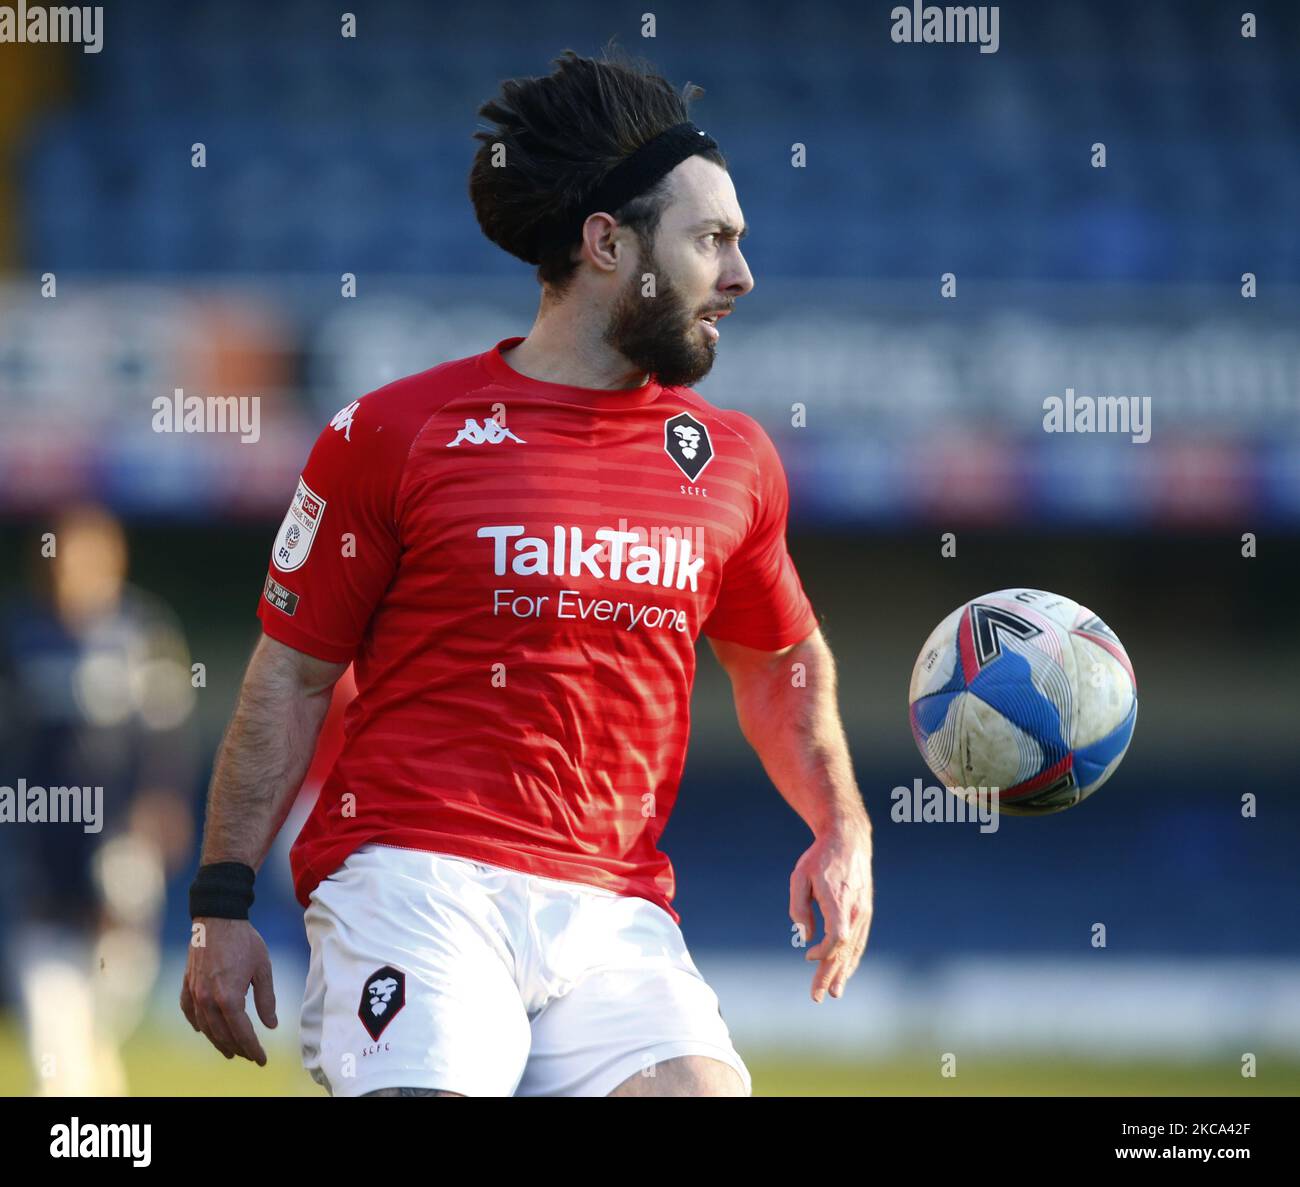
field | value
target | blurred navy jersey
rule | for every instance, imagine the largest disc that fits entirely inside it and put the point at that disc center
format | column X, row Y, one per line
column 105, row 704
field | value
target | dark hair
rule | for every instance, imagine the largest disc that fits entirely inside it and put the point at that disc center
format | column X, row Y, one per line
column 562, row 134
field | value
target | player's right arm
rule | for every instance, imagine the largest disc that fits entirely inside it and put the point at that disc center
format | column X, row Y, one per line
column 334, row 556
column 260, row 766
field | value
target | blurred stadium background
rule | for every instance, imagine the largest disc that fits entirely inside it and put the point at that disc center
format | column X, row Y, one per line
column 328, row 156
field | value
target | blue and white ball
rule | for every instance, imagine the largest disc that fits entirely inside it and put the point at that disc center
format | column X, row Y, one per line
column 1027, row 692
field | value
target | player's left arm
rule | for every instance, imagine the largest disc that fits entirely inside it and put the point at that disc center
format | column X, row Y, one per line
column 786, row 706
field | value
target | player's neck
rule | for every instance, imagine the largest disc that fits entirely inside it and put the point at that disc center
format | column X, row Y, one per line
column 556, row 351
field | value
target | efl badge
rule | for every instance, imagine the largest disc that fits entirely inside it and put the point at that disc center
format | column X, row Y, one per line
column 298, row 530
column 382, row 999
column 687, row 442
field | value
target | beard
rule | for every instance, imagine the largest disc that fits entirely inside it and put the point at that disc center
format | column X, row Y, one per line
column 659, row 334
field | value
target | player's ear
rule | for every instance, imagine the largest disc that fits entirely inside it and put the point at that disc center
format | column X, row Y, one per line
column 603, row 242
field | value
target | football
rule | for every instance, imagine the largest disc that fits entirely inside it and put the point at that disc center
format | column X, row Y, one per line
column 1026, row 694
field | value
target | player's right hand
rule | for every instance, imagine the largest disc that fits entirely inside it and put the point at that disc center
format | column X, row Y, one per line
column 225, row 958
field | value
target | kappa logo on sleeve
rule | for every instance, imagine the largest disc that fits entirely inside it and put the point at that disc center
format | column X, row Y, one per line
column 490, row 432
column 382, row 999
column 342, row 422
column 298, row 531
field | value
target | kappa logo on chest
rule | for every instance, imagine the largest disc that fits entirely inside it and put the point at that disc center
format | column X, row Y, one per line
column 686, row 440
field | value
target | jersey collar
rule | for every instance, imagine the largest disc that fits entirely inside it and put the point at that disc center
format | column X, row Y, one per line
column 590, row 397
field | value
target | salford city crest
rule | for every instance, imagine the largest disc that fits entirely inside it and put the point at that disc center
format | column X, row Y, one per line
column 382, row 998
column 687, row 442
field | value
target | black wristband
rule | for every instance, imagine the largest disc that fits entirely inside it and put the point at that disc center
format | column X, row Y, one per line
column 222, row 890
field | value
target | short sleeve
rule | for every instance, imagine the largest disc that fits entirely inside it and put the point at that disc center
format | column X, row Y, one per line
column 337, row 549
column 761, row 602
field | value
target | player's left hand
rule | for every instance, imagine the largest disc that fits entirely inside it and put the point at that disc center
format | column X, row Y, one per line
column 836, row 871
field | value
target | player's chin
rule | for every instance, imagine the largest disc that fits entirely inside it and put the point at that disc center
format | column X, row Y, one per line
column 702, row 360
column 701, row 344
column 689, row 360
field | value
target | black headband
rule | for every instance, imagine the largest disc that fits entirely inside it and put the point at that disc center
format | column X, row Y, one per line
column 633, row 175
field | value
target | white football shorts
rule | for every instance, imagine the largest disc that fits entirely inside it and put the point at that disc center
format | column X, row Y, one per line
column 430, row 971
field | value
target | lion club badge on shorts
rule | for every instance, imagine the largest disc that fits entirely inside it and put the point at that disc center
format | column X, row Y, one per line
column 382, row 999
column 298, row 529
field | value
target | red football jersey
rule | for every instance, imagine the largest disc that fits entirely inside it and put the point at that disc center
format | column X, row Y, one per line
column 519, row 571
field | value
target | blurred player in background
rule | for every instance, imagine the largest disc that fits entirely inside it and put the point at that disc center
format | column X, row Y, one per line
column 95, row 691
column 488, row 909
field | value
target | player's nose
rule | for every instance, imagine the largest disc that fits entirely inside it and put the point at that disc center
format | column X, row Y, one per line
column 737, row 280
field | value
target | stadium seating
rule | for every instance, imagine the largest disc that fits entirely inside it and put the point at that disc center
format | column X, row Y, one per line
column 936, row 165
